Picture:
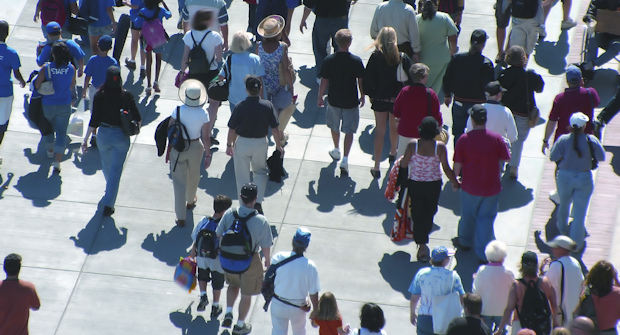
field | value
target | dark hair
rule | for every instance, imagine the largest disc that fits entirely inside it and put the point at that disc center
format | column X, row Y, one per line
column 12, row 264
column 516, row 56
column 428, row 129
column 476, row 47
column 371, row 317
column 601, row 278
column 221, row 203
column 529, row 270
column 575, row 134
column 201, row 18
column 56, row 33
column 62, row 55
column 247, row 201
column 429, row 9
column 473, row 303
column 151, row 4
column 4, row 30
column 433, row 263
column 299, row 249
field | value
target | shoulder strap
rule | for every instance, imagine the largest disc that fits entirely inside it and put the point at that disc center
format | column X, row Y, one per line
column 527, row 91
column 435, row 148
column 538, row 282
column 191, row 34
column 287, row 260
column 49, row 71
column 229, row 66
column 243, row 219
column 179, row 114
column 590, row 96
column 416, row 147
column 428, row 101
column 562, row 286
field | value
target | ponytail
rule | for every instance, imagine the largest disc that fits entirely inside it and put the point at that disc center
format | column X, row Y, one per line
column 576, row 131
column 429, row 9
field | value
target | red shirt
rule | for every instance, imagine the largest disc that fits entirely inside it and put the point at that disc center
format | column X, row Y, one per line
column 328, row 327
column 17, row 297
column 571, row 101
column 480, row 152
column 411, row 106
column 607, row 309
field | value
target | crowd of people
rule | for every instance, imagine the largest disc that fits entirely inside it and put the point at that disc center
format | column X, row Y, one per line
column 415, row 67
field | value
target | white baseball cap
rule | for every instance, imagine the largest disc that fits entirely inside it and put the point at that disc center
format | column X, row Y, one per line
column 579, row 120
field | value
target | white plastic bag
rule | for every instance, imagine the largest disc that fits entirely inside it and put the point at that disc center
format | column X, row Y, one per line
column 445, row 309
column 76, row 124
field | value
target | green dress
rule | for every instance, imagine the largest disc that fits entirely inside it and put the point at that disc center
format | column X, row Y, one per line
column 435, row 49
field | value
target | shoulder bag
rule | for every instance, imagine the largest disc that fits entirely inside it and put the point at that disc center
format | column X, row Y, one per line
column 594, row 161
column 586, row 308
column 533, row 111
column 128, row 119
column 268, row 287
column 47, row 87
column 282, row 70
column 446, row 308
column 401, row 74
column 219, row 89
column 443, row 135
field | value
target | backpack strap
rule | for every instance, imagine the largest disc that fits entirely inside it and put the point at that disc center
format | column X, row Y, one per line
column 229, row 65
column 428, row 102
column 244, row 219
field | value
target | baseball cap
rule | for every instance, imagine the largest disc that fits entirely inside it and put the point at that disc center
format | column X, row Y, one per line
column 573, row 74
column 479, row 36
column 579, row 119
column 302, row 237
column 249, row 191
column 252, row 83
column 494, row 88
column 478, row 113
column 440, row 253
column 52, row 27
column 529, row 258
column 563, row 242
column 105, row 43
column 113, row 77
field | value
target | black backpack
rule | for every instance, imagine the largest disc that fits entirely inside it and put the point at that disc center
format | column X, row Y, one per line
column 525, row 9
column 268, row 287
column 177, row 135
column 197, row 61
column 535, row 313
column 206, row 242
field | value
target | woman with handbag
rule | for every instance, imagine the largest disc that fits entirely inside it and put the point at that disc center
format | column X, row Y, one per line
column 385, row 75
column 111, row 104
column 520, row 85
column 601, row 299
column 55, row 82
column 241, row 63
column 575, row 154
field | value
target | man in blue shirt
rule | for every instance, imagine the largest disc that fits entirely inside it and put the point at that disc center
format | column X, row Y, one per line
column 96, row 69
column 101, row 21
column 54, row 33
column 9, row 61
column 71, row 7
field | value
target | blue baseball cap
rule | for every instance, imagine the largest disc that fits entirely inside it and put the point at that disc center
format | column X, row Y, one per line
column 440, row 253
column 573, row 74
column 302, row 237
column 52, row 27
column 105, row 43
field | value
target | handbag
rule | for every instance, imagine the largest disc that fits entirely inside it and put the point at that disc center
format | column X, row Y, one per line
column 281, row 71
column 47, row 87
column 445, row 309
column 35, row 114
column 129, row 125
column 219, row 89
column 77, row 25
column 180, row 78
column 443, row 135
column 533, row 112
column 401, row 74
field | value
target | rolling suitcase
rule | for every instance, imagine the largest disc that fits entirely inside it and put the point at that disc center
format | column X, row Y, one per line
column 122, row 29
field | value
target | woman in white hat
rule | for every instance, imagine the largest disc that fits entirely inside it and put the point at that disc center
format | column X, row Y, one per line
column 185, row 165
column 576, row 154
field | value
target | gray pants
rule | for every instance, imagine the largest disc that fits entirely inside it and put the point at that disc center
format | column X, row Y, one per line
column 523, row 130
column 251, row 151
column 186, row 175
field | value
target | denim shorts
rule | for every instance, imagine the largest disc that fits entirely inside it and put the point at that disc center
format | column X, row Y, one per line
column 100, row 31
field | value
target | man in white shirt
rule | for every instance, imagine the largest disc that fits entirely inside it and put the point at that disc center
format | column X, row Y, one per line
column 293, row 283
column 565, row 276
column 401, row 17
column 499, row 118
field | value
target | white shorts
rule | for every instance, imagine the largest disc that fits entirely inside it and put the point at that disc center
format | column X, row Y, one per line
column 6, row 106
column 524, row 33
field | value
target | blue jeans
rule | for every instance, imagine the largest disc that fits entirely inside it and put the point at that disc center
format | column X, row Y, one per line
column 611, row 46
column 324, row 29
column 493, row 323
column 113, row 146
column 476, row 223
column 574, row 188
column 523, row 130
column 425, row 325
column 58, row 116
column 459, row 118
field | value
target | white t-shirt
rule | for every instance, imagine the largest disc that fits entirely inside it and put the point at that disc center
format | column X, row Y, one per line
column 217, row 7
column 499, row 120
column 297, row 279
column 213, row 40
column 573, row 281
column 193, row 118
column 492, row 284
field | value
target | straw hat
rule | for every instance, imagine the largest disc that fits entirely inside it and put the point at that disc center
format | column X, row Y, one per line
column 193, row 93
column 271, row 26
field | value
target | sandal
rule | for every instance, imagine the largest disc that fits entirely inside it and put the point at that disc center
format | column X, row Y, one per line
column 193, row 204
column 423, row 254
column 375, row 173
column 156, row 87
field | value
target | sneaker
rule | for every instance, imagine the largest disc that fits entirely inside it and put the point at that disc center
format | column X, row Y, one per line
column 568, row 24
column 344, row 168
column 216, row 311
column 554, row 196
column 202, row 305
column 214, row 141
column 130, row 64
column 284, row 138
column 228, row 319
column 246, row 329
column 156, row 87
column 50, row 154
column 542, row 32
column 335, row 153
column 108, row 211
column 57, row 167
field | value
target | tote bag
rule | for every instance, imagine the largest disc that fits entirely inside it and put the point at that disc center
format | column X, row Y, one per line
column 445, row 309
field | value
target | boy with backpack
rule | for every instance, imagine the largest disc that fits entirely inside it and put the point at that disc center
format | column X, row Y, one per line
column 205, row 250
column 96, row 69
column 149, row 21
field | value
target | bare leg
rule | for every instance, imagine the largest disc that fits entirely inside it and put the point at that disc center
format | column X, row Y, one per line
column 149, row 63
column 348, row 142
column 94, row 48
column 58, row 157
column 157, row 66
column 380, row 121
column 501, row 39
column 231, row 295
column 566, row 5
column 244, row 306
column 393, row 135
column 202, row 285
column 135, row 39
column 212, row 109
column 216, row 295
column 336, row 139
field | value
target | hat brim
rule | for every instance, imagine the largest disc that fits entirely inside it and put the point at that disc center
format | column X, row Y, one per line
column 189, row 102
column 555, row 244
column 261, row 31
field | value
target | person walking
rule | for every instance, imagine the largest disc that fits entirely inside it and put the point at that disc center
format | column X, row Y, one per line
column 576, row 154
column 242, row 63
column 113, row 143
column 70, row 6
column 499, row 118
column 17, row 298
column 217, row 8
column 96, row 69
column 382, row 85
column 413, row 104
column 605, row 116
column 402, row 18
column 467, row 75
column 54, row 33
column 249, row 282
column 135, row 7
column 603, row 287
column 420, row 167
column 57, row 106
column 294, row 282
column 471, row 323
column 478, row 155
column 185, row 166
column 438, row 35
column 103, row 23
column 247, row 143
column 527, row 19
column 520, row 85
column 343, row 73
column 327, row 316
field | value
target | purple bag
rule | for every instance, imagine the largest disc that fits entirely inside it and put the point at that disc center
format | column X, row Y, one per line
column 180, row 78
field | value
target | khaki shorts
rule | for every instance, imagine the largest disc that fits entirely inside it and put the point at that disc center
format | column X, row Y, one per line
column 250, row 281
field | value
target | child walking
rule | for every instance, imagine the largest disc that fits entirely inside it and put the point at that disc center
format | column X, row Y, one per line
column 205, row 250
column 328, row 317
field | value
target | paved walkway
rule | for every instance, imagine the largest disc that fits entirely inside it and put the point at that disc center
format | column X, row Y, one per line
column 114, row 275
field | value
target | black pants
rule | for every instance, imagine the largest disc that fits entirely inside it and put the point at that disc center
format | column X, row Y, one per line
column 406, row 48
column 251, row 16
column 424, row 199
column 611, row 109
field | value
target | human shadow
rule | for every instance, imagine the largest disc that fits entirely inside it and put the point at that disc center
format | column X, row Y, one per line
column 551, row 231
column 371, row 201
column 606, row 84
column 100, row 234
column 552, row 55
column 172, row 54
column 513, row 194
column 367, row 142
column 615, row 159
column 331, row 191
column 449, row 199
column 191, row 326
column 467, row 264
column 225, row 183
column 4, row 185
column 136, row 87
column 308, row 118
column 169, row 247
column 398, row 270
column 89, row 162
column 40, row 186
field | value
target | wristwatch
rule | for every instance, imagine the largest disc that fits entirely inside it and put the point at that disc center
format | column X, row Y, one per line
column 229, row 145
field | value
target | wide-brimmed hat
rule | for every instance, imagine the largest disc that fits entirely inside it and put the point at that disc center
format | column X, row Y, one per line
column 193, row 93
column 271, row 26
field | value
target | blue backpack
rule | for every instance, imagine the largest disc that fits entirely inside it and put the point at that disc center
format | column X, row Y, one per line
column 177, row 135
column 236, row 250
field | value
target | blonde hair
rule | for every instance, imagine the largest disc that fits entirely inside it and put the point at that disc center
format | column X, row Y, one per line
column 344, row 38
column 328, row 308
column 386, row 43
column 240, row 42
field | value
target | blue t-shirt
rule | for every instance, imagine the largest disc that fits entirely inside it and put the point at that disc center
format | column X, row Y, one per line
column 62, row 77
column 97, row 67
column 133, row 13
column 45, row 56
column 243, row 63
column 102, row 13
column 433, row 281
column 9, row 61
column 148, row 13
